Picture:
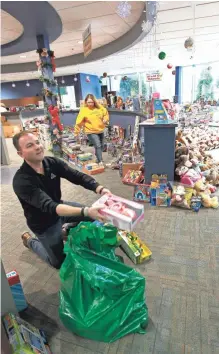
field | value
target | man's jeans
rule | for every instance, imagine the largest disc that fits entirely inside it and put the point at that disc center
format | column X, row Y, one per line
column 98, row 142
column 49, row 245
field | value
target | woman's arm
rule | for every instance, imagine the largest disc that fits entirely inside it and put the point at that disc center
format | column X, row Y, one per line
column 79, row 122
column 105, row 116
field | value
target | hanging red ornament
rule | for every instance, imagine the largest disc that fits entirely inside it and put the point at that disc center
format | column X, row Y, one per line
column 169, row 66
column 104, row 74
column 174, row 72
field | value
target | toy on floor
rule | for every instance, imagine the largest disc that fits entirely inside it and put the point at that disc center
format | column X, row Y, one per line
column 141, row 193
column 160, row 190
column 17, row 290
column 181, row 196
column 135, row 249
column 132, row 177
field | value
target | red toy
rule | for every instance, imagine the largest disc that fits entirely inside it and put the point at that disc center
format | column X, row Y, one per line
column 54, row 111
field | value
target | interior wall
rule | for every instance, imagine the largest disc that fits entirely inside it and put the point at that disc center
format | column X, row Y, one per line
column 21, row 90
column 93, row 87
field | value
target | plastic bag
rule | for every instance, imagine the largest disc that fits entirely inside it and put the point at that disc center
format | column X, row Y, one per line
column 100, row 298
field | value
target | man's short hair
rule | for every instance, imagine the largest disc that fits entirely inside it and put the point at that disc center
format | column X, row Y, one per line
column 17, row 137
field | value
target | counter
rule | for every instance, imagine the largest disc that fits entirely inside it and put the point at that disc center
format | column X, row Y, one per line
column 123, row 118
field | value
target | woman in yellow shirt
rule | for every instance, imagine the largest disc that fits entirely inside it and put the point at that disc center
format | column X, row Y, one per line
column 93, row 118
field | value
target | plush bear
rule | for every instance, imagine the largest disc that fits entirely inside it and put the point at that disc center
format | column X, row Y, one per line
column 206, row 200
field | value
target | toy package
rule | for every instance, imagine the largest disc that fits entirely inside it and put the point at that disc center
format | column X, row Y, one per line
column 160, row 190
column 135, row 249
column 120, row 212
column 182, row 196
column 17, row 290
column 23, row 337
column 132, row 177
column 196, row 203
column 142, row 193
column 92, row 168
column 85, row 157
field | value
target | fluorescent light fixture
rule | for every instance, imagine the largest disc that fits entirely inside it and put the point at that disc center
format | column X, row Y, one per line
column 23, row 56
column 80, row 42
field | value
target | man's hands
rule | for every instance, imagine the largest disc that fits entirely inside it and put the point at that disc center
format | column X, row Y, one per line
column 101, row 190
column 94, row 213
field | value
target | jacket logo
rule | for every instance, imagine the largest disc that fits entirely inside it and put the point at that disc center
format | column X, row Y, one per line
column 53, row 176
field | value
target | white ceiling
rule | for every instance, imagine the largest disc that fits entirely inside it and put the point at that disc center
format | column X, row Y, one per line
column 175, row 23
column 11, row 28
column 106, row 26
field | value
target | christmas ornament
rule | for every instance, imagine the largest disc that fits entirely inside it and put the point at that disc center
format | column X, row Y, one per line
column 162, row 55
column 27, row 84
column 124, row 9
column 104, row 74
column 100, row 81
column 87, row 79
column 174, row 72
column 125, row 78
column 189, row 43
column 13, row 85
column 115, row 77
column 75, row 78
column 63, row 81
column 169, row 66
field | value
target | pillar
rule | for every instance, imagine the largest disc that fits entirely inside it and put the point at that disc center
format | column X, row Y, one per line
column 47, row 67
column 178, row 84
column 159, row 149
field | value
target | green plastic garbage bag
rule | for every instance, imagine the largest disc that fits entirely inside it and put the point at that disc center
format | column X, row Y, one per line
column 100, row 298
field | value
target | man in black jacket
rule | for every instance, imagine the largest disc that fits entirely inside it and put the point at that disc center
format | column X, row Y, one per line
column 37, row 186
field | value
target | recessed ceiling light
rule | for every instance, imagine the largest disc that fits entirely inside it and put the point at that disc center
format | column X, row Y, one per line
column 80, row 42
column 23, row 56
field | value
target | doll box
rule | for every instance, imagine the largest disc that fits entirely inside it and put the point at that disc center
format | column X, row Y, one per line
column 117, row 219
column 135, row 249
column 17, row 290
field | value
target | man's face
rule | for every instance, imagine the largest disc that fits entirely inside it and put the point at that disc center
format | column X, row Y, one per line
column 30, row 149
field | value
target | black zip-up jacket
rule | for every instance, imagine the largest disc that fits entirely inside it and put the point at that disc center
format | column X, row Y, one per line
column 40, row 194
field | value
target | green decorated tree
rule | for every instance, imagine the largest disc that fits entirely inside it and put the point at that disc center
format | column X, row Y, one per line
column 205, row 85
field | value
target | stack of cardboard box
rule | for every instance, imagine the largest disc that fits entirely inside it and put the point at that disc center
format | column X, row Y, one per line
column 9, row 129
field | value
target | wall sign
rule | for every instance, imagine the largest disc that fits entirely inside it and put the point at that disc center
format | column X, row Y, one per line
column 155, row 75
column 87, row 41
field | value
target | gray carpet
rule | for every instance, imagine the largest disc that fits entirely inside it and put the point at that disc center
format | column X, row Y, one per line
column 182, row 279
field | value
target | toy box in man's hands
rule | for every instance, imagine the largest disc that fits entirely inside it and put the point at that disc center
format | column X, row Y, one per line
column 17, row 290
column 120, row 212
column 142, row 193
column 135, row 249
column 23, row 337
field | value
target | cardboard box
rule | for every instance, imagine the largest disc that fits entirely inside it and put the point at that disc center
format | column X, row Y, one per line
column 23, row 337
column 17, row 290
column 135, row 249
column 130, row 166
column 118, row 219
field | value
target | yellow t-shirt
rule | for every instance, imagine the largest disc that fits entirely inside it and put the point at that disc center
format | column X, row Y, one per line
column 93, row 120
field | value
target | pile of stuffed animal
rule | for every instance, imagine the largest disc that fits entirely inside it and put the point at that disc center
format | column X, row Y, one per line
column 194, row 166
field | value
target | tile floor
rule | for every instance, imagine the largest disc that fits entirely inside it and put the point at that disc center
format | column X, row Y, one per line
column 182, row 279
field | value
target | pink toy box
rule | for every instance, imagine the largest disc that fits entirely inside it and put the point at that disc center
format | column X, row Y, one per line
column 122, row 213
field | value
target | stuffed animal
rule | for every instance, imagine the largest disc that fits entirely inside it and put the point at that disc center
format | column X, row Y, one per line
column 202, row 191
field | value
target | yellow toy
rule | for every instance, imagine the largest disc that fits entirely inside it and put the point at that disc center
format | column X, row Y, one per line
column 201, row 190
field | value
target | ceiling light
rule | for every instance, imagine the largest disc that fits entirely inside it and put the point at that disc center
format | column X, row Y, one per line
column 23, row 56
column 80, row 42
column 13, row 85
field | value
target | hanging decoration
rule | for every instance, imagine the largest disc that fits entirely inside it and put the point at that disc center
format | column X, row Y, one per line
column 44, row 53
column 162, row 55
column 169, row 66
column 188, row 44
column 124, row 9
column 54, row 111
column 27, row 84
column 46, row 65
column 13, row 85
column 63, row 81
column 115, row 77
column 174, row 72
column 75, row 78
column 104, row 75
column 125, row 78
column 48, row 81
column 87, row 79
